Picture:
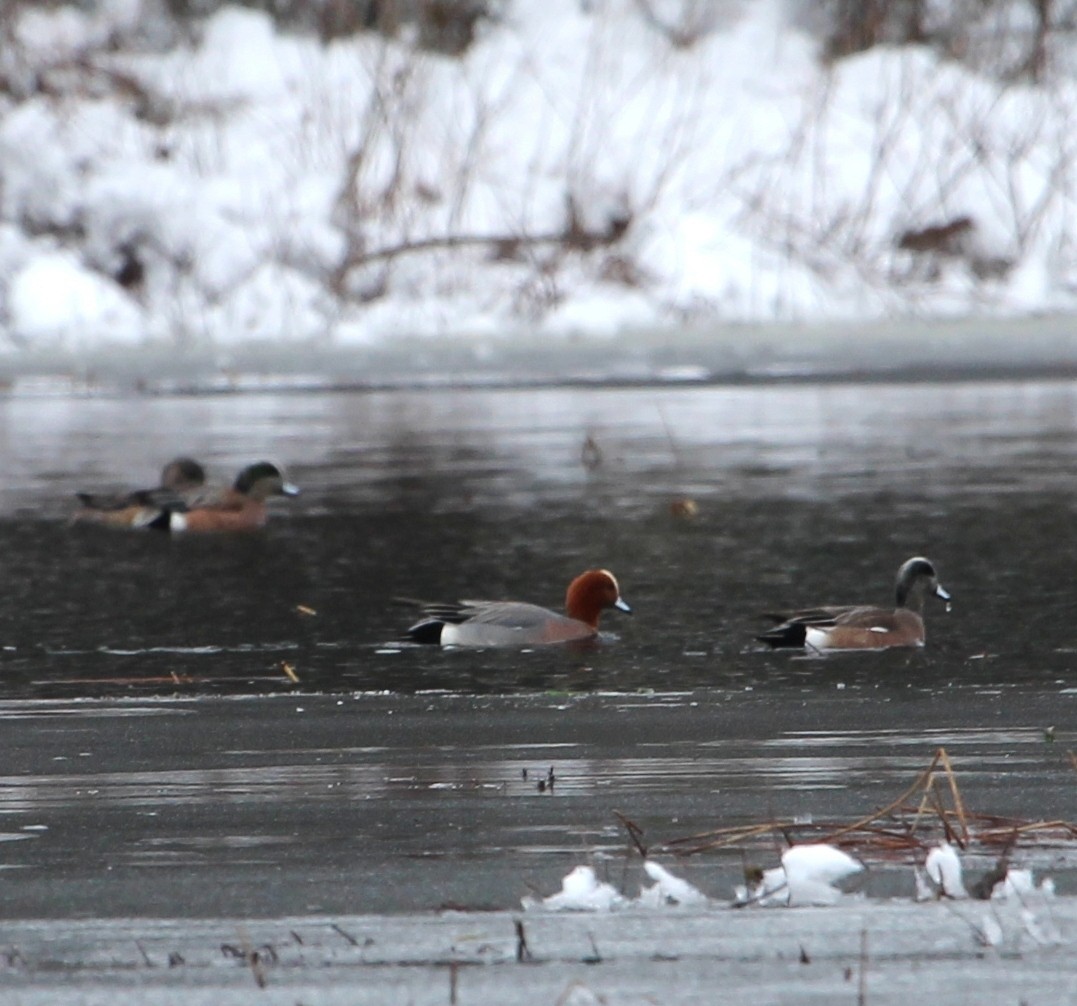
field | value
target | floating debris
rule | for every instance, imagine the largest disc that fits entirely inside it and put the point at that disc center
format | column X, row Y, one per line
column 591, row 454
column 684, row 508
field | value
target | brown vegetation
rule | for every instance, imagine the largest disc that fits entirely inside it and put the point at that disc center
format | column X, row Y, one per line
column 903, row 830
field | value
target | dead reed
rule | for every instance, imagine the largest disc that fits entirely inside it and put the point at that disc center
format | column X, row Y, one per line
column 901, row 830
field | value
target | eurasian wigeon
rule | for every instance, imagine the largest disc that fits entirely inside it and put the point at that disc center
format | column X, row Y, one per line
column 516, row 623
column 862, row 627
column 181, row 478
column 242, row 507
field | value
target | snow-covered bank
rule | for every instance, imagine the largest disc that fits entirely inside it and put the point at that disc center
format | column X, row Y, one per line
column 575, row 171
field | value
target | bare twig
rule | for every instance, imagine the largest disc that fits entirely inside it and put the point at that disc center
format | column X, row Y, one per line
column 959, row 806
column 348, row 936
column 523, row 952
column 893, row 830
column 862, row 986
column 635, row 833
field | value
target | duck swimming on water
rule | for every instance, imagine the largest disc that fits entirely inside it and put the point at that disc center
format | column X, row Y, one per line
column 863, row 627
column 517, row 623
column 181, row 479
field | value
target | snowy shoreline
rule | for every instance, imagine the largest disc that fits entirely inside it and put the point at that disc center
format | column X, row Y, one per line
column 960, row 350
column 574, row 173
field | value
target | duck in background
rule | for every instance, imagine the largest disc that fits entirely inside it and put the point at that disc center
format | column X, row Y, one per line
column 517, row 623
column 181, row 479
column 863, row 627
column 241, row 507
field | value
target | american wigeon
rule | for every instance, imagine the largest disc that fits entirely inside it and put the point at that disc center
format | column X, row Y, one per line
column 242, row 507
column 516, row 623
column 180, row 479
column 862, row 627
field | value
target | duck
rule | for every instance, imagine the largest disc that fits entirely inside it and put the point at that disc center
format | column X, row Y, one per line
column 241, row 507
column 517, row 623
column 181, row 479
column 863, row 627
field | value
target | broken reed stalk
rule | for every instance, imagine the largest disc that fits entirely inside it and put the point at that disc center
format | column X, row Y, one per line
column 721, row 838
column 1008, row 833
column 523, row 951
column 635, row 832
column 955, row 793
column 922, row 781
column 869, row 832
column 253, row 959
column 862, row 985
column 343, row 932
column 940, row 813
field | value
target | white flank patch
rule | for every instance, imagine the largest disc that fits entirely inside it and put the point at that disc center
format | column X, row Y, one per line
column 816, row 639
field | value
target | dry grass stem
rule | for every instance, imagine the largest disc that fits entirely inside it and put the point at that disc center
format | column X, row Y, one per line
column 902, row 829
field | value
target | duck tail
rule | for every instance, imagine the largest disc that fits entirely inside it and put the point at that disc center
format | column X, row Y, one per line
column 161, row 522
column 427, row 631
column 789, row 634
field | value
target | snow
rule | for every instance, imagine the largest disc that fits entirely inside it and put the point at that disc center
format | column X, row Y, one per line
column 668, row 889
column 1019, row 884
column 54, row 296
column 250, row 171
column 943, row 869
column 808, row 875
column 581, row 891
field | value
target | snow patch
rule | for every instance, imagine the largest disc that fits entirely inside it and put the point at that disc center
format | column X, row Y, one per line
column 56, row 303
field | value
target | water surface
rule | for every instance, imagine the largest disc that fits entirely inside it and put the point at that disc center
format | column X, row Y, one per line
column 160, row 759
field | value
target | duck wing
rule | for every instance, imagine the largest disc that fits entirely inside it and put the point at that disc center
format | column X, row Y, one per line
column 791, row 628
column 516, row 614
column 494, row 623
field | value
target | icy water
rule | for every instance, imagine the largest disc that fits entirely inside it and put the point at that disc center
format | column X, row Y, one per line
column 159, row 760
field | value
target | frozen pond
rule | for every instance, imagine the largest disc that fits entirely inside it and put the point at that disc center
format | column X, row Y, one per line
column 159, row 761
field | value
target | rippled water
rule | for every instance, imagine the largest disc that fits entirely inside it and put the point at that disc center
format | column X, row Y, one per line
column 151, row 729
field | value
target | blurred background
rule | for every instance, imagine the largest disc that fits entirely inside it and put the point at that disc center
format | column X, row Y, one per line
column 373, row 189
column 746, row 300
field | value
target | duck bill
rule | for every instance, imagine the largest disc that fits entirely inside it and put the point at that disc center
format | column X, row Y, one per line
column 289, row 489
column 942, row 592
column 622, row 605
